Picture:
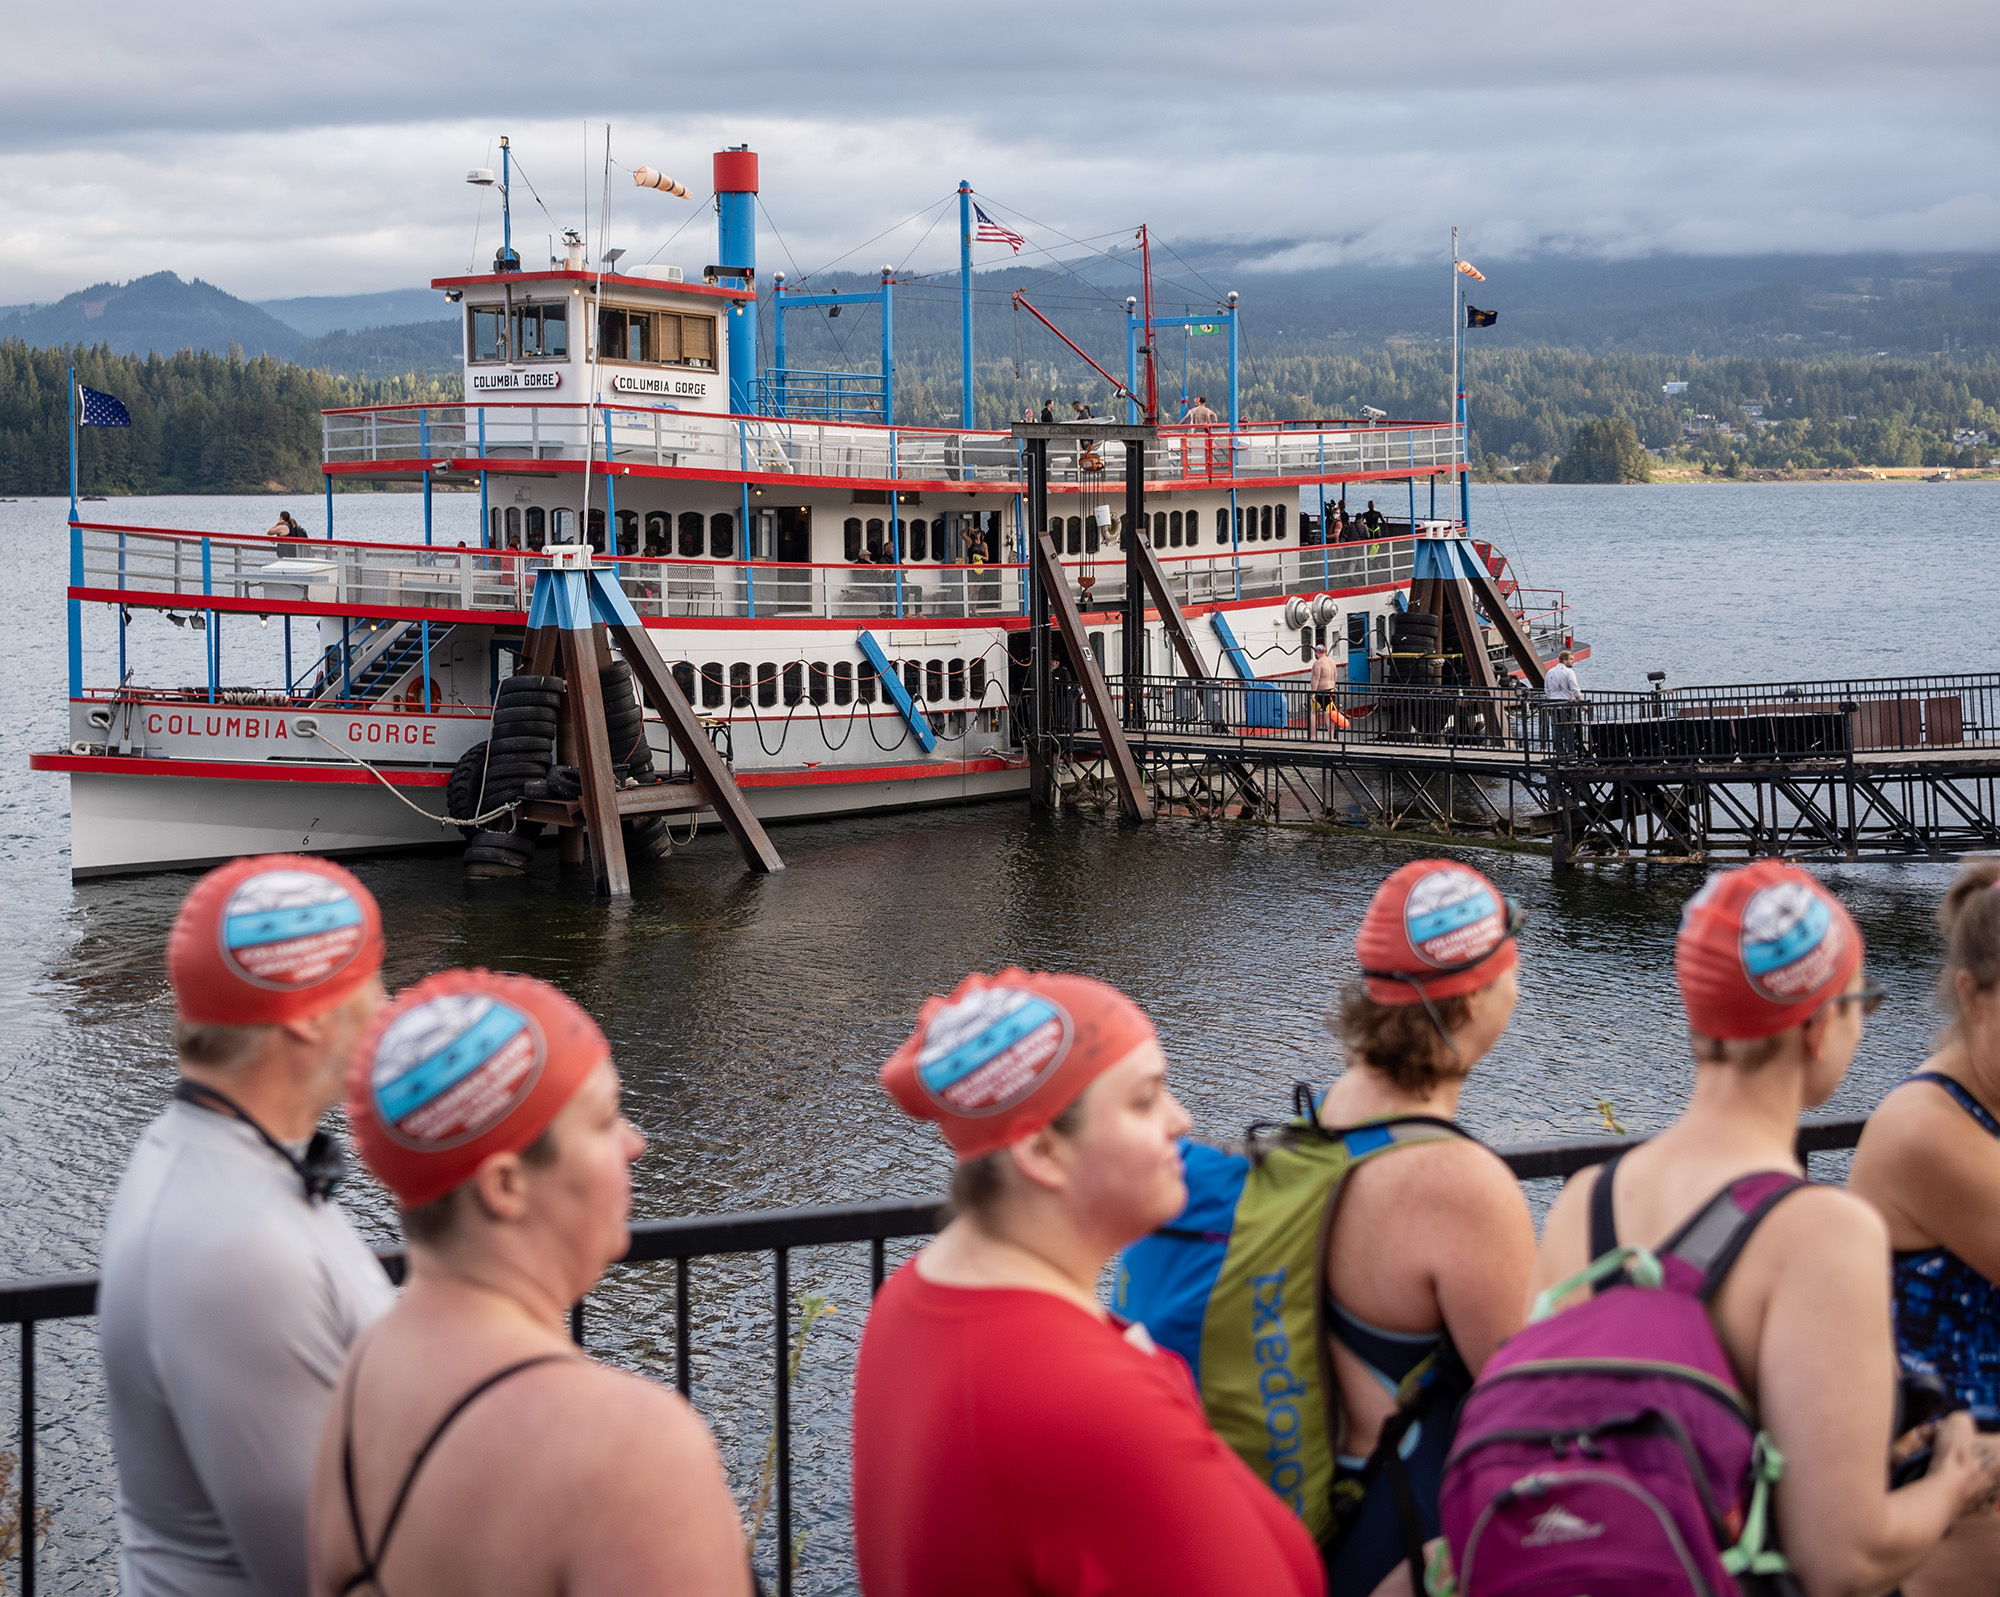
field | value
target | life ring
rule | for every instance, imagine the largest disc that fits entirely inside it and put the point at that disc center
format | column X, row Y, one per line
column 413, row 695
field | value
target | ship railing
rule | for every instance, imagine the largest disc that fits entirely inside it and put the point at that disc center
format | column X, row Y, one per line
column 493, row 435
column 797, row 1243
column 1760, row 724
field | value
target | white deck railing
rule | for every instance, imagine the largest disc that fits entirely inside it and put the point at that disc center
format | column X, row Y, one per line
column 493, row 435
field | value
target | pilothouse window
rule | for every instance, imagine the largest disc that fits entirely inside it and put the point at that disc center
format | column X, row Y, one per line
column 541, row 332
column 488, row 340
column 656, row 337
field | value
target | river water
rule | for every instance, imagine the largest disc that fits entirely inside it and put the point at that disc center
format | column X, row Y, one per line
column 750, row 1014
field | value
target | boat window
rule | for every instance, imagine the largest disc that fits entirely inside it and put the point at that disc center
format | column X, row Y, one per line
column 538, row 526
column 691, row 534
column 711, row 685
column 850, row 538
column 1381, row 634
column 913, row 679
column 864, row 682
column 874, row 537
column 1174, row 536
column 488, row 340
column 934, row 681
column 513, row 526
column 795, row 683
column 975, row 674
column 1090, row 535
column 767, row 685
column 684, row 679
column 1076, row 535
column 739, row 686
column 843, row 682
column 1281, row 521
column 920, row 539
column 659, row 532
column 1097, row 649
column 817, row 682
column 1222, row 524
column 696, row 338
column 541, row 332
column 628, row 532
column 722, row 536
column 954, row 678
column 623, row 334
column 1306, row 644
column 596, row 525
column 494, row 538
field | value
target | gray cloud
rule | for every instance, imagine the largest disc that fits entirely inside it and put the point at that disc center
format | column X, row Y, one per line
column 277, row 152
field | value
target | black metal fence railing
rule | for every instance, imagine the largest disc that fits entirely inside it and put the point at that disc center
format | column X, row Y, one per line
column 1693, row 726
column 778, row 1233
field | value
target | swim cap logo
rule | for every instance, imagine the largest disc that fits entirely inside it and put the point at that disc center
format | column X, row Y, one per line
column 987, row 1052
column 1791, row 943
column 284, row 930
column 452, row 1069
column 1453, row 916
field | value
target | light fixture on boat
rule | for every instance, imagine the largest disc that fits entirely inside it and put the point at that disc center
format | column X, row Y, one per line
column 1231, row 297
column 1372, row 414
column 179, row 621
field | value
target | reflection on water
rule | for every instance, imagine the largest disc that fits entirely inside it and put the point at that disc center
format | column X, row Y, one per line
column 750, row 1014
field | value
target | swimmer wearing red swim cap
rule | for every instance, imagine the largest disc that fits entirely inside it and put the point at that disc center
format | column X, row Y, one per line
column 1005, row 1425
column 488, row 1105
column 232, row 1285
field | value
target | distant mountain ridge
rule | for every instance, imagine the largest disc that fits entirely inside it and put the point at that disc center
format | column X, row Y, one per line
column 159, row 312
column 319, row 314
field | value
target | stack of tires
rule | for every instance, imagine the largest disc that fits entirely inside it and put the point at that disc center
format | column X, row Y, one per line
column 1414, row 633
column 646, row 836
column 520, row 748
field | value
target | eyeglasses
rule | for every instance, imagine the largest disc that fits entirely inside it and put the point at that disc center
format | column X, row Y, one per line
column 1869, row 998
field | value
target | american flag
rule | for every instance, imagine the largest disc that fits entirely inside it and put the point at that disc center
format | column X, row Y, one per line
column 101, row 410
column 991, row 232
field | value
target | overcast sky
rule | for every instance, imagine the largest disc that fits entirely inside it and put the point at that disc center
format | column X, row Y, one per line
column 278, row 150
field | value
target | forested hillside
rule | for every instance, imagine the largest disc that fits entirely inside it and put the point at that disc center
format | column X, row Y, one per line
column 200, row 423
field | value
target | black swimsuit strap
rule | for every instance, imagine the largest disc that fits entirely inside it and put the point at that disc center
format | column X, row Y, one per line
column 371, row 1562
column 1966, row 1101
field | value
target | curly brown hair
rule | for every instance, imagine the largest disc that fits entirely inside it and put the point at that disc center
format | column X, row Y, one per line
column 1969, row 918
column 1401, row 1040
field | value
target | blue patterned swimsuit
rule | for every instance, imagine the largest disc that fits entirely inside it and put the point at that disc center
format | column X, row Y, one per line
column 1947, row 1313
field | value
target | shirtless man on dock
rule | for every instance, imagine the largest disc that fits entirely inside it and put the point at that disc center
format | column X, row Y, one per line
column 1325, row 683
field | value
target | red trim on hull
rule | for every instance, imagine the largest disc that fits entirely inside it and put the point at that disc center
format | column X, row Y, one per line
column 228, row 771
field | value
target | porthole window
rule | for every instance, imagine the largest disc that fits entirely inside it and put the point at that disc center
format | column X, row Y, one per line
column 1222, row 524
column 711, row 685
column 874, row 538
column 975, row 680
column 1264, row 527
column 843, row 682
column 795, row 683
column 513, row 526
column 739, row 686
column 816, row 682
column 913, row 679
column 684, row 679
column 659, row 532
column 538, row 528
column 1174, row 531
column 1076, row 535
column 722, row 536
column 767, row 685
column 920, row 540
column 954, row 678
column 934, row 681
column 1281, row 521
column 864, row 682
column 850, row 539
column 693, row 531
column 1090, row 535
column 628, row 532
column 596, row 534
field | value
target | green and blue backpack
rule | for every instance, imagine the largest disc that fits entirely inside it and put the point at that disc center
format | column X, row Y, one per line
column 1236, row 1284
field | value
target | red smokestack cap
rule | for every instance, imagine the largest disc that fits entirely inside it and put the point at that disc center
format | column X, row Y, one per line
column 736, row 171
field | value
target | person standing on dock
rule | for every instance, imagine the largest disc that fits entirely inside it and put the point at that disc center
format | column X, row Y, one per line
column 1325, row 694
column 473, row 1450
column 232, row 1284
column 1770, row 969
column 1011, row 1436
column 285, row 527
column 1200, row 415
column 1564, row 696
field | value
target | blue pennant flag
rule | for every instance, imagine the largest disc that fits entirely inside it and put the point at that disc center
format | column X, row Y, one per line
column 101, row 410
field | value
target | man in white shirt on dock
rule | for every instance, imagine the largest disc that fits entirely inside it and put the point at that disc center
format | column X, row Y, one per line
column 1565, row 697
column 232, row 1285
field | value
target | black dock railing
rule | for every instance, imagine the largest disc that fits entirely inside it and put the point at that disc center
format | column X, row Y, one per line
column 777, row 1232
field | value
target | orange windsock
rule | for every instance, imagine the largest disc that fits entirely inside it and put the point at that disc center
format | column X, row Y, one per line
column 646, row 178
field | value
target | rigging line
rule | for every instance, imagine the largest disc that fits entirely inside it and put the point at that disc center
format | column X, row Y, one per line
column 1176, row 254
column 920, row 242
column 913, row 216
column 479, row 221
column 700, row 206
column 531, row 188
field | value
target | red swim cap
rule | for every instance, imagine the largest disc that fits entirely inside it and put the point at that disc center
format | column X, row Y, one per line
column 274, row 938
column 1760, row 949
column 1005, row 1054
column 1442, row 924
column 463, row 1065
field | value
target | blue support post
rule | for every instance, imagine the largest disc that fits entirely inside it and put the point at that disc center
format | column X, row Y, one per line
column 424, row 628
column 329, row 505
column 1235, row 537
column 892, row 684
column 964, row 302
column 72, row 443
column 1412, row 481
column 1464, row 436
column 208, row 587
column 888, row 360
column 748, row 546
column 76, row 560
column 896, row 525
column 346, row 658
column 485, row 536
column 1232, row 387
column 1323, row 556
column 778, row 346
column 288, row 654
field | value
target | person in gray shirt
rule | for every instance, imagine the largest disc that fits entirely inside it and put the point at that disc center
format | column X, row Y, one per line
column 231, row 1284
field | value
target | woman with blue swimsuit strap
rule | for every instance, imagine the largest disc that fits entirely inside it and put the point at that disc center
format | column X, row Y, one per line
column 1929, row 1160
column 1431, row 1246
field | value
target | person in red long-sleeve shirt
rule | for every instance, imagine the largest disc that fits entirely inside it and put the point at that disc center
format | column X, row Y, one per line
column 1011, row 1436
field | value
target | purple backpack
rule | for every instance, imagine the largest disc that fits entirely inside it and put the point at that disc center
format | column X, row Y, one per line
column 1608, row 1449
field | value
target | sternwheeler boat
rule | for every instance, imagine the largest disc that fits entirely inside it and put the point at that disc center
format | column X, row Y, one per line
column 843, row 598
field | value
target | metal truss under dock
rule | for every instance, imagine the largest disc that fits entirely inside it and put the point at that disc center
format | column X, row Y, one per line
column 1873, row 769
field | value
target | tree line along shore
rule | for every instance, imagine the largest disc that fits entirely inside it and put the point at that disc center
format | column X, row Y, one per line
column 209, row 423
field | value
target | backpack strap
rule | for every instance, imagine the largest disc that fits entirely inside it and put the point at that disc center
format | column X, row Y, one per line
column 1711, row 1241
